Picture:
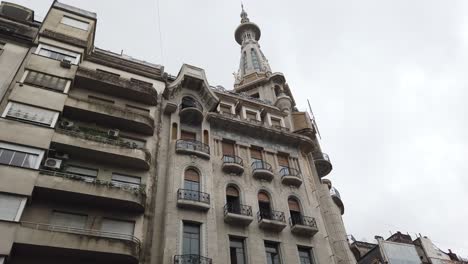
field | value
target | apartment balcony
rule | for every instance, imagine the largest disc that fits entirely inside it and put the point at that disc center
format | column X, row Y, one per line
column 86, row 243
column 81, row 189
column 303, row 225
column 191, row 259
column 238, row 214
column 116, row 86
column 195, row 200
column 233, row 164
column 262, row 170
column 193, row 147
column 91, row 145
column 273, row 220
column 191, row 112
column 322, row 163
column 337, row 199
column 108, row 115
column 291, row 177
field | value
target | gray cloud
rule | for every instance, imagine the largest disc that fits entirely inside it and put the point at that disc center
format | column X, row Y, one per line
column 387, row 81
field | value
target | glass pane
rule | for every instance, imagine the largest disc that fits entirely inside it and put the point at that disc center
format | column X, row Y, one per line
column 30, row 161
column 191, row 239
column 18, row 159
column 5, row 156
column 9, row 206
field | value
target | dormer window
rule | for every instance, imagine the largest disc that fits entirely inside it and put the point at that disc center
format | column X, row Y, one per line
column 276, row 122
column 225, row 109
column 251, row 115
column 72, row 22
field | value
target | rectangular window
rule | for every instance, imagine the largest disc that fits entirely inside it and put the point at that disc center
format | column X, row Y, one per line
column 69, row 219
column 116, row 227
column 31, row 114
column 58, row 53
column 124, row 180
column 133, row 142
column 251, row 115
column 283, row 161
column 25, row 157
column 228, row 148
column 237, row 251
column 305, row 255
column 75, row 23
column 140, row 109
column 272, row 253
column 224, row 108
column 100, row 99
column 256, row 154
column 11, row 207
column 46, row 81
column 191, row 239
column 275, row 122
column 87, row 174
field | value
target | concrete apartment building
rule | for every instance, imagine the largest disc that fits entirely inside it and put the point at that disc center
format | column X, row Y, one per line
column 108, row 159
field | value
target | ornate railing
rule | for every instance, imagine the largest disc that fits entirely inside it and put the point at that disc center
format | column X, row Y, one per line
column 190, row 195
column 190, row 103
column 232, row 159
column 81, row 231
column 286, row 171
column 320, row 156
column 261, row 165
column 194, row 145
column 271, row 215
column 135, row 188
column 302, row 220
column 239, row 209
column 191, row 259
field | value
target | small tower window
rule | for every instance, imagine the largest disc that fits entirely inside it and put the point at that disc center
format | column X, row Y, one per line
column 244, row 62
column 255, row 61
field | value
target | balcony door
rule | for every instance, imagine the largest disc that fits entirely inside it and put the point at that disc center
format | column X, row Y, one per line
column 228, row 152
column 233, row 200
column 191, row 240
column 283, row 162
column 264, row 205
column 295, row 211
column 192, row 185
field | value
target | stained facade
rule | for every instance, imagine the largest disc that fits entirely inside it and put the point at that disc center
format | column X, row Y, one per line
column 108, row 159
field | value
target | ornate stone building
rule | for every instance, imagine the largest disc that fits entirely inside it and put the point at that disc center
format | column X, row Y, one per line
column 108, row 159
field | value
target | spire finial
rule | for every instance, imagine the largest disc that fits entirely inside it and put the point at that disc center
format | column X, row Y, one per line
column 244, row 17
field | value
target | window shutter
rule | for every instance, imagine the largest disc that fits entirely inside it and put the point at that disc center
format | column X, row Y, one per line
column 126, row 179
column 192, row 175
column 228, row 148
column 263, row 197
column 283, row 161
column 231, row 191
column 187, row 135
column 69, row 220
column 31, row 113
column 293, row 205
column 256, row 154
column 118, row 226
column 9, row 206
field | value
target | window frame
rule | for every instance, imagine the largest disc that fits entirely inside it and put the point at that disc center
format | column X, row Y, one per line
column 28, row 71
column 200, row 235
column 117, row 220
column 17, row 148
column 125, row 183
column 65, row 52
column 277, row 247
column 10, row 104
column 75, row 20
column 280, row 118
column 20, row 208
column 244, row 248
column 226, row 105
column 309, row 251
column 86, row 178
column 257, row 113
column 69, row 213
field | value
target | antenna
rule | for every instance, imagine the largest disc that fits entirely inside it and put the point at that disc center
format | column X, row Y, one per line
column 313, row 119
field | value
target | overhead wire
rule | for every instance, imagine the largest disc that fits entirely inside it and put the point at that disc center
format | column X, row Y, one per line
column 160, row 33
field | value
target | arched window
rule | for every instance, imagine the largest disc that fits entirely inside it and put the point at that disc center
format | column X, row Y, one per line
column 295, row 211
column 174, row 131
column 264, row 205
column 192, row 180
column 255, row 61
column 233, row 200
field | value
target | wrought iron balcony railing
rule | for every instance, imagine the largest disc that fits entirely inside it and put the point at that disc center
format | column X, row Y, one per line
column 320, row 156
column 335, row 192
column 191, row 259
column 233, row 159
column 192, row 145
column 191, row 195
column 239, row 209
column 261, row 165
column 302, row 220
column 286, row 171
column 271, row 215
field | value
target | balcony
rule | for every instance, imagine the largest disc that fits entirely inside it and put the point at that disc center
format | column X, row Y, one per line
column 195, row 200
column 291, row 177
column 273, row 220
column 116, row 86
column 337, row 199
column 91, row 144
column 191, row 259
column 262, row 170
column 303, row 225
column 190, row 112
column 193, row 147
column 238, row 214
column 322, row 163
column 77, row 188
column 108, row 115
column 94, row 244
column 233, row 164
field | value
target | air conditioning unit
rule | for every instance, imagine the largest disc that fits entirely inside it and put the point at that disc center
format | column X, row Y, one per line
column 65, row 64
column 113, row 133
column 66, row 124
column 52, row 163
column 62, row 156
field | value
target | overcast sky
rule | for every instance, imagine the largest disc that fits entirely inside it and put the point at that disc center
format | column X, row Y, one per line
column 387, row 81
